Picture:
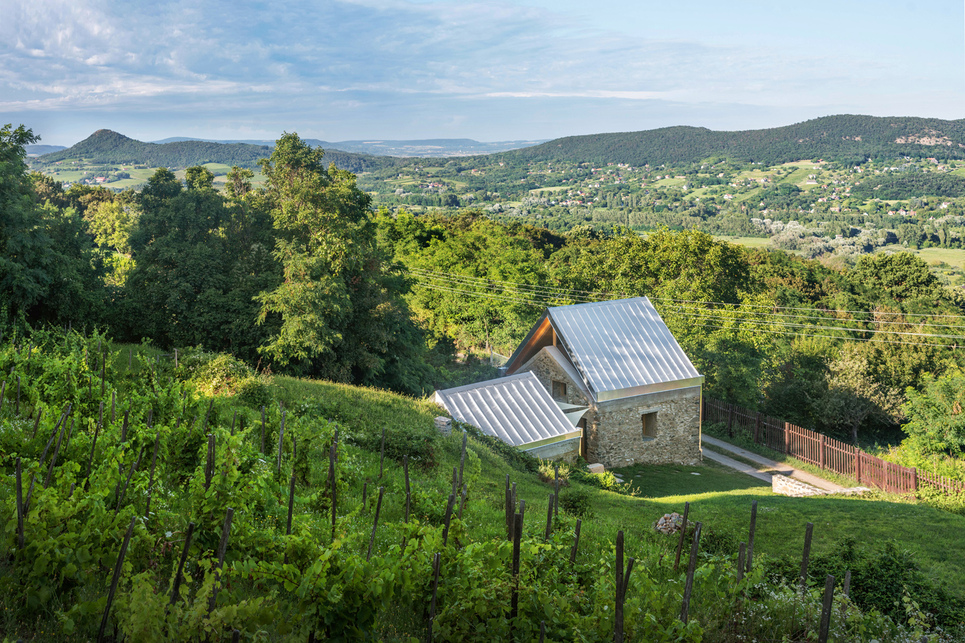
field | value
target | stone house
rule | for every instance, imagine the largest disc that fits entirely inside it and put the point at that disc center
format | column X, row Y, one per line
column 617, row 372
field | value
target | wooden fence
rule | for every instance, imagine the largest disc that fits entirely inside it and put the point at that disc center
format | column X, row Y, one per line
column 824, row 452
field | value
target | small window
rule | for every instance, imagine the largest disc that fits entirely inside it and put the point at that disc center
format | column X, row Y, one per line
column 649, row 425
column 559, row 390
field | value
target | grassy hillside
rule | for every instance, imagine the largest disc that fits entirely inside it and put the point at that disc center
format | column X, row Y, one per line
column 365, row 583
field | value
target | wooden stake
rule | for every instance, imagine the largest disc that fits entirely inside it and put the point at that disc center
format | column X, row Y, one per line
column 556, row 498
column 262, row 429
column 40, row 413
column 210, row 464
column 281, row 434
column 382, row 454
column 683, row 534
column 405, row 466
column 436, row 563
column 291, row 507
column 222, row 546
column 576, row 541
column 741, row 561
column 462, row 458
column 750, row 540
column 509, row 509
column 150, row 484
column 462, row 501
column 808, row 530
column 445, row 529
column 847, row 583
column 375, row 523
column 691, row 567
column 549, row 518
column 517, row 537
column 618, row 602
column 332, row 477
column 184, row 556
column 291, row 504
column 826, row 609
column 20, row 536
column 234, row 418
column 117, row 575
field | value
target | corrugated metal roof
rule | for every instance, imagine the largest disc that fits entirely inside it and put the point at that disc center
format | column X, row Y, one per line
column 622, row 347
column 516, row 409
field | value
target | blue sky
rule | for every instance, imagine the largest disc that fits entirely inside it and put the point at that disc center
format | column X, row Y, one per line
column 404, row 69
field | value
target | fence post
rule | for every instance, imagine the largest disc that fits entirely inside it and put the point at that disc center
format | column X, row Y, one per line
column 857, row 465
column 730, row 421
column 787, row 437
column 821, row 458
column 757, row 429
column 914, row 479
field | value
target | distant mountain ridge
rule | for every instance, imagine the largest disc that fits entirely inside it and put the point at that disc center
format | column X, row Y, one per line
column 109, row 147
column 844, row 138
column 423, row 148
column 38, row 150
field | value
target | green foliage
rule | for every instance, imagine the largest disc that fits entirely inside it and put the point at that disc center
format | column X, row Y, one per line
column 275, row 586
column 882, row 574
column 516, row 458
column 221, row 375
column 936, row 424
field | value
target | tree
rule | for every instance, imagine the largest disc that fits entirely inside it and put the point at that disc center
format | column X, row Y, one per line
column 23, row 262
column 936, row 422
column 337, row 311
column 902, row 275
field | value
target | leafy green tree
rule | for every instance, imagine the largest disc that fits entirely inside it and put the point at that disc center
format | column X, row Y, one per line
column 936, row 421
column 26, row 247
column 903, row 276
column 199, row 262
column 337, row 311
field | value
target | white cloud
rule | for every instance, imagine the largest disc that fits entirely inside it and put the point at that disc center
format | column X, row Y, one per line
column 343, row 63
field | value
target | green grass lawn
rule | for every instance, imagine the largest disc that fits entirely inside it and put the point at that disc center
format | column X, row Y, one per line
column 748, row 242
column 721, row 498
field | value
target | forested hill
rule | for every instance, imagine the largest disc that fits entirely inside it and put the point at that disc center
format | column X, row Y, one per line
column 844, row 138
column 106, row 146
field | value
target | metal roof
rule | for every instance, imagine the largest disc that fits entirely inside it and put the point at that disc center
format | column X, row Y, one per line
column 622, row 348
column 516, row 409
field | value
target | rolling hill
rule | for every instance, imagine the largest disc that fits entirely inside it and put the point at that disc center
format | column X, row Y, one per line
column 843, row 138
column 109, row 147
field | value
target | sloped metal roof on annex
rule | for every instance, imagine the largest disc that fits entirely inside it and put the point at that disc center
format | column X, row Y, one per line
column 622, row 347
column 516, row 409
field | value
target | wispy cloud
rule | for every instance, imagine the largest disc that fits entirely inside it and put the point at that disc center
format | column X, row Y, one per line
column 357, row 67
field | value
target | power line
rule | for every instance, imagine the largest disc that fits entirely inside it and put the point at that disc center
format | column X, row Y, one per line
column 568, row 293
column 455, row 284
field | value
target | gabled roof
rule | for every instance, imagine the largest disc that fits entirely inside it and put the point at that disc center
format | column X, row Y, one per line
column 516, row 409
column 620, row 348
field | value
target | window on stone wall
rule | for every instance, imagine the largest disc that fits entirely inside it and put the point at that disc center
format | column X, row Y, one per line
column 649, row 425
column 559, row 390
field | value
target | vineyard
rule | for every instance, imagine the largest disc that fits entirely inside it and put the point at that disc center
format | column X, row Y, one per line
column 184, row 497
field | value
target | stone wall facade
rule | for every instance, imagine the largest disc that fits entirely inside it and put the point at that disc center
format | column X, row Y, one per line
column 615, row 429
column 613, row 433
column 547, row 371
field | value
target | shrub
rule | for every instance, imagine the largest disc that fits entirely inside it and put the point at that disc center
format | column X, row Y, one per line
column 577, row 502
column 223, row 375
